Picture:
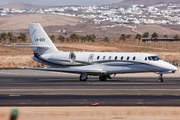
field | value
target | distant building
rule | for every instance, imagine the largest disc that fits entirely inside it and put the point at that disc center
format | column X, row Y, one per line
column 61, row 31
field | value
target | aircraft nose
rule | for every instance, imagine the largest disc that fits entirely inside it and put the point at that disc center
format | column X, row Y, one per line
column 173, row 68
column 170, row 67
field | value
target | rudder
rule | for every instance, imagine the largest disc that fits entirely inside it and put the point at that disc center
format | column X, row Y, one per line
column 40, row 37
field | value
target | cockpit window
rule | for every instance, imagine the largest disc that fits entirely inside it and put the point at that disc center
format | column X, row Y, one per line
column 145, row 58
column 149, row 58
column 155, row 58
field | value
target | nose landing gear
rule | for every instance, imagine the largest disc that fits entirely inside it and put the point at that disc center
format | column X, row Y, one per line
column 160, row 78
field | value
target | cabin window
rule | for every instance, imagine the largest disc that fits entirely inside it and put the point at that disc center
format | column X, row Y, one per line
column 104, row 57
column 128, row 58
column 134, row 58
column 116, row 58
column 97, row 57
column 122, row 58
column 145, row 58
column 109, row 57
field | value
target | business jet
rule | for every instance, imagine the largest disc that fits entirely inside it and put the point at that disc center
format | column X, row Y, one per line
column 102, row 64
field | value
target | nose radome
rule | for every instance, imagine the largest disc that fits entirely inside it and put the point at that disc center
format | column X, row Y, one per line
column 170, row 66
column 174, row 68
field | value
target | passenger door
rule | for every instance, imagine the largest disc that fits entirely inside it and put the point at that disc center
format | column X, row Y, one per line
column 91, row 56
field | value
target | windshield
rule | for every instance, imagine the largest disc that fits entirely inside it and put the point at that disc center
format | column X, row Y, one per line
column 155, row 58
column 149, row 58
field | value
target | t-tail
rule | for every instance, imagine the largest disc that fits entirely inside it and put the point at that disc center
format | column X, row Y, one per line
column 40, row 40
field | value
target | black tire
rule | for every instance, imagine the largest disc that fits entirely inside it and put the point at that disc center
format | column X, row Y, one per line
column 160, row 80
column 102, row 78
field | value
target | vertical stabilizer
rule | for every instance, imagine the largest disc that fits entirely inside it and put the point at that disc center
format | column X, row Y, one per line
column 40, row 37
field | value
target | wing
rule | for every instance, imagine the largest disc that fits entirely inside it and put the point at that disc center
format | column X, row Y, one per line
column 97, row 71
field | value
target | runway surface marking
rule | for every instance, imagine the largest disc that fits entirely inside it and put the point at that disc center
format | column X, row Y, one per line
column 87, row 89
column 14, row 95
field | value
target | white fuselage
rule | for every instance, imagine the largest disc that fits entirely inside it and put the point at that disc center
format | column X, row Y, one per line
column 111, row 63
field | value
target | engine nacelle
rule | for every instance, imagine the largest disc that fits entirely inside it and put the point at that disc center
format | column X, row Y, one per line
column 61, row 58
column 64, row 57
column 72, row 57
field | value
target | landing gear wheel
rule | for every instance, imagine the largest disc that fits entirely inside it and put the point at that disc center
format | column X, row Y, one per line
column 80, row 78
column 102, row 78
column 160, row 78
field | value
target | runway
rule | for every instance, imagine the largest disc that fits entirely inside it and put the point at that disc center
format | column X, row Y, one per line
column 38, row 88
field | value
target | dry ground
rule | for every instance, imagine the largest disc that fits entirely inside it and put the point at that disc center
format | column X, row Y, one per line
column 20, row 21
column 19, row 6
column 93, row 113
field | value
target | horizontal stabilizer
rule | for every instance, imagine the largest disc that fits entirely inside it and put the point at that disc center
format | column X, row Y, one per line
column 33, row 46
column 66, row 70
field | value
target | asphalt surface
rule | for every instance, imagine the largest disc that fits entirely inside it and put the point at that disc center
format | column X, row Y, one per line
column 38, row 88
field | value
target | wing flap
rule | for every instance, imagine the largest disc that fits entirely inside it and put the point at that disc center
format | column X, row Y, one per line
column 97, row 71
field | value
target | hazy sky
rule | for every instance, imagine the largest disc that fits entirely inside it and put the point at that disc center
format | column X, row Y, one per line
column 61, row 2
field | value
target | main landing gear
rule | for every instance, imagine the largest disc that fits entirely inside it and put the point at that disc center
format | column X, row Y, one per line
column 83, row 77
column 104, row 78
column 160, row 78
